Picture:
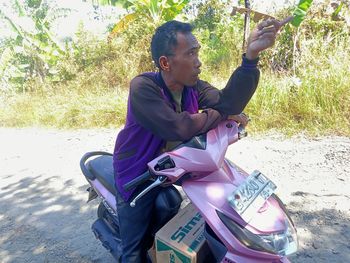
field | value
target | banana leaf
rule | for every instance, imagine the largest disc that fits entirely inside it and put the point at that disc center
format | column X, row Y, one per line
column 300, row 12
column 123, row 23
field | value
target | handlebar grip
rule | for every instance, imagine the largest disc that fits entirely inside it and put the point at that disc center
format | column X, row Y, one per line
column 137, row 181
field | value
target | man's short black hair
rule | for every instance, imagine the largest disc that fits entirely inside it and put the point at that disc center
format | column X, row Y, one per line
column 164, row 39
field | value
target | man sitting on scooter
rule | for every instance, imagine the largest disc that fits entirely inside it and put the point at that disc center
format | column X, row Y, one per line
column 163, row 110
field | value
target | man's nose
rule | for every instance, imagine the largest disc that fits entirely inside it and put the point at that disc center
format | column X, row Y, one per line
column 198, row 63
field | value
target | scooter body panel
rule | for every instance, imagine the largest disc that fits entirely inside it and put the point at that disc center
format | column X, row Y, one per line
column 214, row 189
column 208, row 179
column 104, row 193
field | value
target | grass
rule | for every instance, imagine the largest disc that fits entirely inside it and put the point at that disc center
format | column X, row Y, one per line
column 317, row 104
column 310, row 96
column 314, row 107
column 316, row 101
column 64, row 110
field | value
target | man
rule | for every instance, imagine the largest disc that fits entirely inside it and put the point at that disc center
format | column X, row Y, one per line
column 163, row 111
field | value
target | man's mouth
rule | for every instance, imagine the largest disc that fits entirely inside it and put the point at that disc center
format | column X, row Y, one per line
column 197, row 74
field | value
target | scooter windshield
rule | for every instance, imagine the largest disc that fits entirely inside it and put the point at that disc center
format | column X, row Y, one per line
column 197, row 142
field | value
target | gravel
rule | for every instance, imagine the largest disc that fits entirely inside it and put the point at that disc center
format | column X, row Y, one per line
column 44, row 216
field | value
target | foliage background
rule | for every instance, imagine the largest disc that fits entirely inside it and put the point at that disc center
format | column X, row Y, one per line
column 304, row 84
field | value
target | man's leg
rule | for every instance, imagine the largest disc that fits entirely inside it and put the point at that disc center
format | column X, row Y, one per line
column 134, row 223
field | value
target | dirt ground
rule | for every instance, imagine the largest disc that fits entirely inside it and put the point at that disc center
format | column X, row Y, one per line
column 44, row 216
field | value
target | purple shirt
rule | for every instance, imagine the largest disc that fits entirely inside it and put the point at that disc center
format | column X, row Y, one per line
column 136, row 146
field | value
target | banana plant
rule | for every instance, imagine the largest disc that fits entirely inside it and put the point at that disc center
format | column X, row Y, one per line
column 33, row 51
column 300, row 12
column 154, row 10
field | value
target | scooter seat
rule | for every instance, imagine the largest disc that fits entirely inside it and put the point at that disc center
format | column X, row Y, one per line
column 102, row 168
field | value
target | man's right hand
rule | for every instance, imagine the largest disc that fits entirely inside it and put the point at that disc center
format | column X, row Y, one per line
column 262, row 37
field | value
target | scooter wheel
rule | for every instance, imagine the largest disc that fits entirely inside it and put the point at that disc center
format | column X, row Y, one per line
column 101, row 210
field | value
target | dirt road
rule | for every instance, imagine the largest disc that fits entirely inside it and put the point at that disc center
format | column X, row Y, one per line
column 44, row 216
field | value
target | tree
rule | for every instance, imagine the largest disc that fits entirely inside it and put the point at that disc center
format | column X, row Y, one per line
column 32, row 51
column 154, row 10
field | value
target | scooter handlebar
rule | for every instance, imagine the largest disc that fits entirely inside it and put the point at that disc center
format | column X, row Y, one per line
column 137, row 181
column 147, row 175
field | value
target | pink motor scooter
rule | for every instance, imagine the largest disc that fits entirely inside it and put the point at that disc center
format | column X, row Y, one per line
column 245, row 221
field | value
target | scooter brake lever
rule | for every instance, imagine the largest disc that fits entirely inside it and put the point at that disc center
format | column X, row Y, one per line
column 160, row 180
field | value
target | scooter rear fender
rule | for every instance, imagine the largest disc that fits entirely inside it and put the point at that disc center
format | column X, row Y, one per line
column 104, row 193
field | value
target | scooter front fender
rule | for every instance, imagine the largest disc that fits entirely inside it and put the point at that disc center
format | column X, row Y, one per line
column 232, row 258
column 209, row 194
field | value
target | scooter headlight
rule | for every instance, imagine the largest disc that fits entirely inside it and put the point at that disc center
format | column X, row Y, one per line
column 284, row 243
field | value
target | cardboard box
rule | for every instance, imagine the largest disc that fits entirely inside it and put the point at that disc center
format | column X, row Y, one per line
column 152, row 253
column 182, row 240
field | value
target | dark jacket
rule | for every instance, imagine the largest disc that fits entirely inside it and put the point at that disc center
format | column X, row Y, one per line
column 152, row 120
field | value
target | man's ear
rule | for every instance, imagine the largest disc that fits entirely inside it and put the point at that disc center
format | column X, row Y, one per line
column 164, row 63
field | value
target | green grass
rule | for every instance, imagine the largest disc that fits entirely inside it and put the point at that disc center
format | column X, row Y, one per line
column 64, row 110
column 317, row 108
column 310, row 95
column 319, row 105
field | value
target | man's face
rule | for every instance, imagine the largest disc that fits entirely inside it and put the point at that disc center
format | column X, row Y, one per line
column 184, row 65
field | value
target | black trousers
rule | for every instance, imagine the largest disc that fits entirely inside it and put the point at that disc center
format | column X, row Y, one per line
column 135, row 225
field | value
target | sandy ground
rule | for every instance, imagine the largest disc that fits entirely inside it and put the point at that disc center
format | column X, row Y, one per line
column 44, row 216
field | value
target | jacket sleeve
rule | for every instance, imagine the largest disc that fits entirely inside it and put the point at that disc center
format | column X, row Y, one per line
column 237, row 93
column 154, row 113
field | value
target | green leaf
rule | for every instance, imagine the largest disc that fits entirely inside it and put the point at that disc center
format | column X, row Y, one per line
column 304, row 4
column 19, row 8
column 337, row 11
column 5, row 60
column 300, row 12
column 23, row 66
column 123, row 23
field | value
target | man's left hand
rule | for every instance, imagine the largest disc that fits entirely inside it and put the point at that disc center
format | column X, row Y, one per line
column 241, row 119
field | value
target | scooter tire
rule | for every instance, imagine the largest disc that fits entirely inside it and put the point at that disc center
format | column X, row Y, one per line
column 101, row 210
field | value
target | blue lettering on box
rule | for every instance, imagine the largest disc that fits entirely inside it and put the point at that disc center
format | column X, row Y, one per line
column 181, row 233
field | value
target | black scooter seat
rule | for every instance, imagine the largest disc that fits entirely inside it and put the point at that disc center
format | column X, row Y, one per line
column 102, row 168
